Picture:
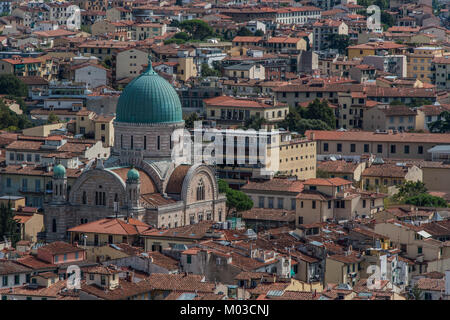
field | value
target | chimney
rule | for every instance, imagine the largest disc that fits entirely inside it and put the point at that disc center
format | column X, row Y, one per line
column 312, row 136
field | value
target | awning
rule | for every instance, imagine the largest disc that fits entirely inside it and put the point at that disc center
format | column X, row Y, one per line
column 424, row 234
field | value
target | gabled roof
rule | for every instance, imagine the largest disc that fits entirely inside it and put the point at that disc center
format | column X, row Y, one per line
column 112, row 226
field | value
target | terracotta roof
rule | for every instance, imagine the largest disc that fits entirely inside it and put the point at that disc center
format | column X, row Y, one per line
column 176, row 179
column 226, row 101
column 25, row 290
column 327, row 182
column 431, row 284
column 377, row 137
column 163, row 261
column 193, row 231
column 60, row 247
column 269, row 214
column 275, row 184
column 247, row 39
column 112, row 226
column 10, row 267
column 351, row 258
column 147, row 184
column 385, row 170
column 339, row 166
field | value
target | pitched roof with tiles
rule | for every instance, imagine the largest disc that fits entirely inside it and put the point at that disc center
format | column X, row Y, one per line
column 112, row 226
column 269, row 214
column 401, row 137
column 275, row 184
column 60, row 247
column 11, row 267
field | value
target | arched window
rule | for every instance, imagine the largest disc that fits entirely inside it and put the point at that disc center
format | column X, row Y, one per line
column 84, row 197
column 200, row 191
column 54, row 225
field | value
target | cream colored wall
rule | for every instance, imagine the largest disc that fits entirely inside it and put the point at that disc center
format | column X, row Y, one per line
column 42, row 131
column 436, row 179
column 187, row 68
column 33, row 226
column 108, row 133
column 298, row 159
column 123, row 61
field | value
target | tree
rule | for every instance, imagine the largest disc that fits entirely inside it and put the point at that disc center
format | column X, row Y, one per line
column 339, row 42
column 254, row 123
column 9, row 228
column 410, row 189
column 319, row 110
column 387, row 19
column 301, row 119
column 244, row 32
column 52, row 118
column 209, row 72
column 259, row 33
column 237, row 201
column 416, row 293
column 107, row 62
column 426, row 200
column 442, row 125
column 418, row 102
column 189, row 121
column 12, row 121
column 11, row 85
column 197, row 29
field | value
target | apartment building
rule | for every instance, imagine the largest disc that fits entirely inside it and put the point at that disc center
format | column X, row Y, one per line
column 375, row 49
column 297, row 15
column 246, row 71
column 420, row 62
column 21, row 67
column 384, row 175
column 229, row 110
column 282, row 155
column 104, row 48
column 396, row 117
column 324, row 29
column 128, row 63
column 440, row 72
column 335, row 199
column 386, row 144
column 142, row 31
column 276, row 193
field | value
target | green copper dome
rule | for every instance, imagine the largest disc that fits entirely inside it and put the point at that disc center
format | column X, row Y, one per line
column 133, row 174
column 149, row 99
column 59, row 171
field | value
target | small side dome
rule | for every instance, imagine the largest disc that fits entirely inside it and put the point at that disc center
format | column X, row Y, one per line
column 59, row 171
column 133, row 174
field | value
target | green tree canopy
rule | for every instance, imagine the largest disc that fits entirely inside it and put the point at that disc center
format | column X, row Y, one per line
column 410, row 189
column 254, row 123
column 259, row 33
column 320, row 110
column 237, row 200
column 12, row 121
column 8, row 226
column 426, row 200
column 11, row 85
column 190, row 119
column 339, row 42
column 244, row 32
column 442, row 125
column 52, row 118
column 207, row 71
column 197, row 29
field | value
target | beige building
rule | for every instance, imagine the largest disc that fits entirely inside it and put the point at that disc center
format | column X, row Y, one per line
column 436, row 176
column 129, row 63
column 31, row 223
column 420, row 62
column 343, row 268
column 230, row 110
column 246, row 71
column 324, row 29
column 144, row 31
column 385, row 175
column 334, row 199
column 397, row 117
column 91, row 125
column 386, row 144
